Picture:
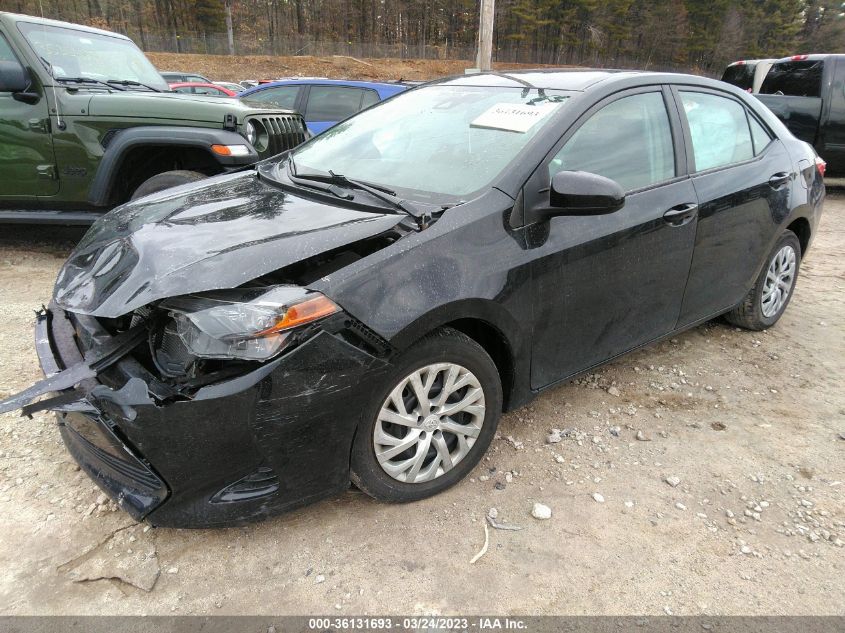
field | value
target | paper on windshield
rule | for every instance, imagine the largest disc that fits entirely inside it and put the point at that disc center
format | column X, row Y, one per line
column 513, row 117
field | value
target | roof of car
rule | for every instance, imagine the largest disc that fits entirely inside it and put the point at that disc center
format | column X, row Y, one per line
column 375, row 85
column 197, row 84
column 812, row 57
column 573, row 79
column 20, row 17
column 743, row 62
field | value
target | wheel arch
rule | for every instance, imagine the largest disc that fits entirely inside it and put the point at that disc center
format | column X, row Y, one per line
column 801, row 227
column 492, row 327
column 133, row 142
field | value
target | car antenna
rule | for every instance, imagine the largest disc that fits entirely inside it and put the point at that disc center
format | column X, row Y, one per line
column 59, row 123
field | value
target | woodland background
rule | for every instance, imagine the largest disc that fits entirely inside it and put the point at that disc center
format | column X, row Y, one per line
column 698, row 35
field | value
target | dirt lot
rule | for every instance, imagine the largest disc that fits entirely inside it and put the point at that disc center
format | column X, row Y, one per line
column 750, row 424
column 222, row 68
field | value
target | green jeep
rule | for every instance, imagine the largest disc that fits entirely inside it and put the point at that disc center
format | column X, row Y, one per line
column 87, row 123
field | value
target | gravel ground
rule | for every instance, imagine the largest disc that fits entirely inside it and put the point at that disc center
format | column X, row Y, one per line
column 700, row 475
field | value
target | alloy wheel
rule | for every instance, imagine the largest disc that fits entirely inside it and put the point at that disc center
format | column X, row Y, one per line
column 429, row 422
column 779, row 280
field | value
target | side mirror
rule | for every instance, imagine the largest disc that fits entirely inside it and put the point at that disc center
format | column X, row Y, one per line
column 15, row 78
column 583, row 193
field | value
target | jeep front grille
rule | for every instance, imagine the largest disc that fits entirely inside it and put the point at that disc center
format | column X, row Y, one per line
column 284, row 132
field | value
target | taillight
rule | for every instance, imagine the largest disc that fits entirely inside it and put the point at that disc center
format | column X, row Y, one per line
column 820, row 166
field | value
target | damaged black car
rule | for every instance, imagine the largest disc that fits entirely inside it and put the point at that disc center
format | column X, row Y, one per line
column 363, row 308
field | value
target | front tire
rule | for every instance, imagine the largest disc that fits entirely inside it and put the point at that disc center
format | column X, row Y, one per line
column 430, row 420
column 766, row 302
column 166, row 180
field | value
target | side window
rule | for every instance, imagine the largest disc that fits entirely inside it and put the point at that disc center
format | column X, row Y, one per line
column 6, row 54
column 629, row 141
column 332, row 103
column 719, row 130
column 759, row 135
column 194, row 79
column 282, row 97
column 370, row 98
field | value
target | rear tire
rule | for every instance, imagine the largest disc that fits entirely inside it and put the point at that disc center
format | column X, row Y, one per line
column 166, row 180
column 767, row 300
column 445, row 432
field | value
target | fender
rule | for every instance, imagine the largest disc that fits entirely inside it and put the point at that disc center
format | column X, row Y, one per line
column 173, row 136
column 494, row 316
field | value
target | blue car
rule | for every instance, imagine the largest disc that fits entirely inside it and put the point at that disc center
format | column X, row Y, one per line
column 323, row 102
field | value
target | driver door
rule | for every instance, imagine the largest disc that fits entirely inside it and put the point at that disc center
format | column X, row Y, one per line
column 605, row 284
column 27, row 163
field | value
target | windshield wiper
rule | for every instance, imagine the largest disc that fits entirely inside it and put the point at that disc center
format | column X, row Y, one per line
column 377, row 191
column 130, row 82
column 88, row 80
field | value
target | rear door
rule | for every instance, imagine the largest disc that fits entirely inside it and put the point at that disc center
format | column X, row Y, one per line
column 27, row 162
column 742, row 176
column 608, row 283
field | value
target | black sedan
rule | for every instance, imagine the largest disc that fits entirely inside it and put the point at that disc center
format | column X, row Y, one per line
column 364, row 307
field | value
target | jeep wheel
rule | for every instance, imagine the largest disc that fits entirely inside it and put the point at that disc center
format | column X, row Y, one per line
column 166, row 180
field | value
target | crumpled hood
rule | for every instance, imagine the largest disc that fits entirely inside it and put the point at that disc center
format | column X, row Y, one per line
column 219, row 234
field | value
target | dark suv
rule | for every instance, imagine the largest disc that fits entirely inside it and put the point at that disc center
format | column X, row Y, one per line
column 87, row 123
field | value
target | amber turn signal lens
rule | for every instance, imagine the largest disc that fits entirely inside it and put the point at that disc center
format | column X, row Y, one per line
column 309, row 310
column 230, row 150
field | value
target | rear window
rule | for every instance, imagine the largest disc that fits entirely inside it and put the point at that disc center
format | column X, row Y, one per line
column 740, row 75
column 795, row 79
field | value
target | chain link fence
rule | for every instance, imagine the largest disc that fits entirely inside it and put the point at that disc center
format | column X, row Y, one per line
column 218, row 44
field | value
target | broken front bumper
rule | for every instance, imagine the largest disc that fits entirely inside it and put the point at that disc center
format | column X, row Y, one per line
column 239, row 450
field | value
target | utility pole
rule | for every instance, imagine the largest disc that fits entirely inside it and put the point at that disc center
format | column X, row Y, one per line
column 227, row 4
column 485, row 36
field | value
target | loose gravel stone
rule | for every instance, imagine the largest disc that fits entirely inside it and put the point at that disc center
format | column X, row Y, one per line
column 542, row 512
column 598, row 498
column 673, row 481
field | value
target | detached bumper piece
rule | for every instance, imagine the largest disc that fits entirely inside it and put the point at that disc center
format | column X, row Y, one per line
column 266, row 441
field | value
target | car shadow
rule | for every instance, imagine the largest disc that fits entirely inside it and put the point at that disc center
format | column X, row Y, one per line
column 51, row 239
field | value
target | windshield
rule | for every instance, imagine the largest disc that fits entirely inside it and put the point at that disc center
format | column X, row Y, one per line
column 74, row 53
column 440, row 140
column 794, row 78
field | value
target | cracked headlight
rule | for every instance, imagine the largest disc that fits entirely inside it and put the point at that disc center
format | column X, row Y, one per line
column 251, row 324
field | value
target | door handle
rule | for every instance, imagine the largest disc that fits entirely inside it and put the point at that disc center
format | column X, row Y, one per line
column 778, row 180
column 681, row 214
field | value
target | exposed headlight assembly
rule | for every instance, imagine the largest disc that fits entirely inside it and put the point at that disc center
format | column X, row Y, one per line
column 251, row 324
